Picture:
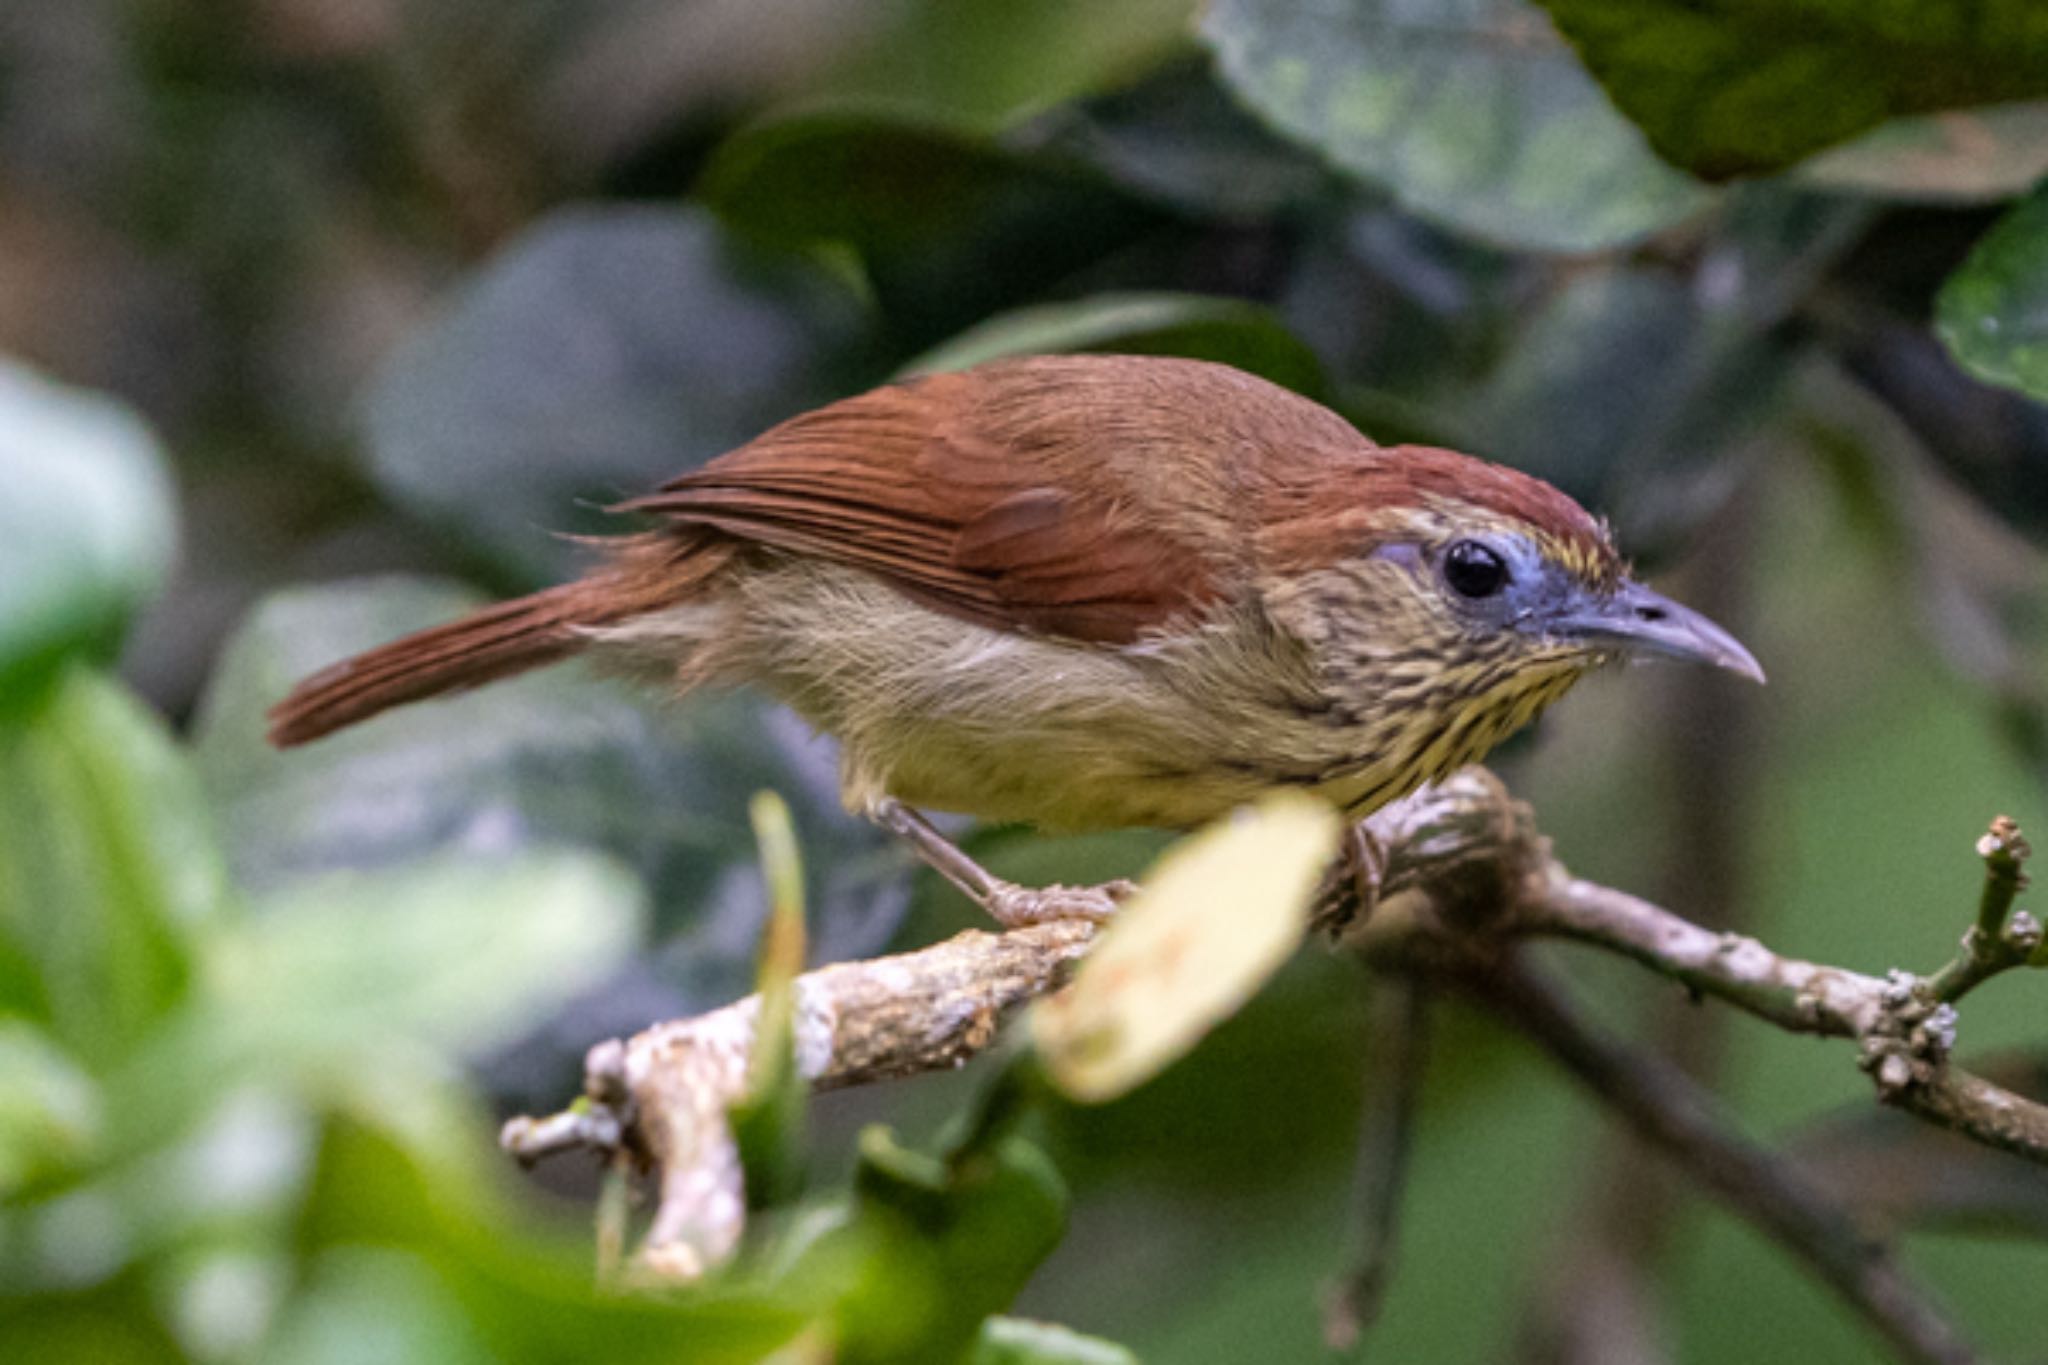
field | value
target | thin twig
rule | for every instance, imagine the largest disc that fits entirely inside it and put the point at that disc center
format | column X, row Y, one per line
column 1666, row 1108
column 1397, row 1057
column 1999, row 940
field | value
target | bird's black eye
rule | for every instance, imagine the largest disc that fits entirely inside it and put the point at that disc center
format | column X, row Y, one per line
column 1473, row 570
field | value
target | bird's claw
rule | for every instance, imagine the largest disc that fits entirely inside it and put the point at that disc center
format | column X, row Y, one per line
column 1350, row 889
column 1014, row 906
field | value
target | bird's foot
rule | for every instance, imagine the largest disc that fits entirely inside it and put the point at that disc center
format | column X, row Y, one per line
column 1350, row 889
column 1009, row 904
column 1014, row 906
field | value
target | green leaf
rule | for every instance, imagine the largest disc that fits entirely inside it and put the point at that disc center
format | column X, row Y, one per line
column 1015, row 1341
column 519, row 1288
column 768, row 1124
column 1210, row 923
column 1730, row 87
column 1471, row 113
column 949, row 224
column 985, row 62
column 462, row 955
column 1234, row 332
column 948, row 1243
column 1993, row 312
column 50, row 1109
column 107, row 869
column 1180, row 141
column 87, row 527
column 600, row 353
column 555, row 759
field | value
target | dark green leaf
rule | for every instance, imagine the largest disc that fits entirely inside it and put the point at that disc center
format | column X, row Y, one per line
column 600, row 353
column 1014, row 1341
column 950, row 225
column 1469, row 112
column 953, row 1243
column 87, row 526
column 1180, row 141
column 1246, row 335
column 555, row 759
column 1729, row 87
column 107, row 867
column 1694, row 353
column 1993, row 313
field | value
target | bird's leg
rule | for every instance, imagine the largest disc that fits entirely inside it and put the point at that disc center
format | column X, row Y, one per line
column 1350, row 890
column 1009, row 904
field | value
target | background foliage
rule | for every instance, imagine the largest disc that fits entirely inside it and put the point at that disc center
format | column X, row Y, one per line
column 354, row 301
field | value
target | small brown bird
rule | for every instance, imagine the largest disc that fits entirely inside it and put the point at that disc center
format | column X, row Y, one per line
column 1084, row 592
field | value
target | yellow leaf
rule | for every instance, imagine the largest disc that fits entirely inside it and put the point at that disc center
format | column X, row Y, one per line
column 1215, row 917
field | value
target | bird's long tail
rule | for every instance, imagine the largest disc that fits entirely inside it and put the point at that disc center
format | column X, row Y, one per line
column 490, row 643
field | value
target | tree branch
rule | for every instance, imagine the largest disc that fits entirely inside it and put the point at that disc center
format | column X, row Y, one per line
column 1465, row 875
column 1668, row 1110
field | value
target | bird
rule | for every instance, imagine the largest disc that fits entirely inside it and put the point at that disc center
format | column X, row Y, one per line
column 1083, row 592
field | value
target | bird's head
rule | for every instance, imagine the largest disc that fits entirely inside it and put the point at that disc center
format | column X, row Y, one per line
column 1463, row 597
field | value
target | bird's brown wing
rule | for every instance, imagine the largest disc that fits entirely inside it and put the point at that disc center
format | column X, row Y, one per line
column 1016, row 495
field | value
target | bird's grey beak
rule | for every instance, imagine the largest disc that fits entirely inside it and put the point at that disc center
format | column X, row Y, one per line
column 1635, row 621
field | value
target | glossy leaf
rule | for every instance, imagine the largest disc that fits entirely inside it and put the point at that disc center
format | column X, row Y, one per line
column 1472, row 113
column 1212, row 920
column 558, row 758
column 1726, row 87
column 1993, row 313
column 601, row 352
column 87, row 526
column 107, row 869
column 1246, row 335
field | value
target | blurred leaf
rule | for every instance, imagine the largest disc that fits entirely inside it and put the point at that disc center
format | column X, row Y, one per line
column 554, row 759
column 360, row 1305
column 107, row 866
column 1727, row 87
column 949, row 1243
column 87, row 527
column 1962, row 156
column 985, row 62
column 1695, row 353
column 524, row 1291
column 49, row 1108
column 1212, row 920
column 1180, row 141
column 1469, row 112
column 768, row 1124
column 603, row 351
column 457, row 954
column 1993, row 313
column 950, row 224
column 1014, row 1341
column 1234, row 332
